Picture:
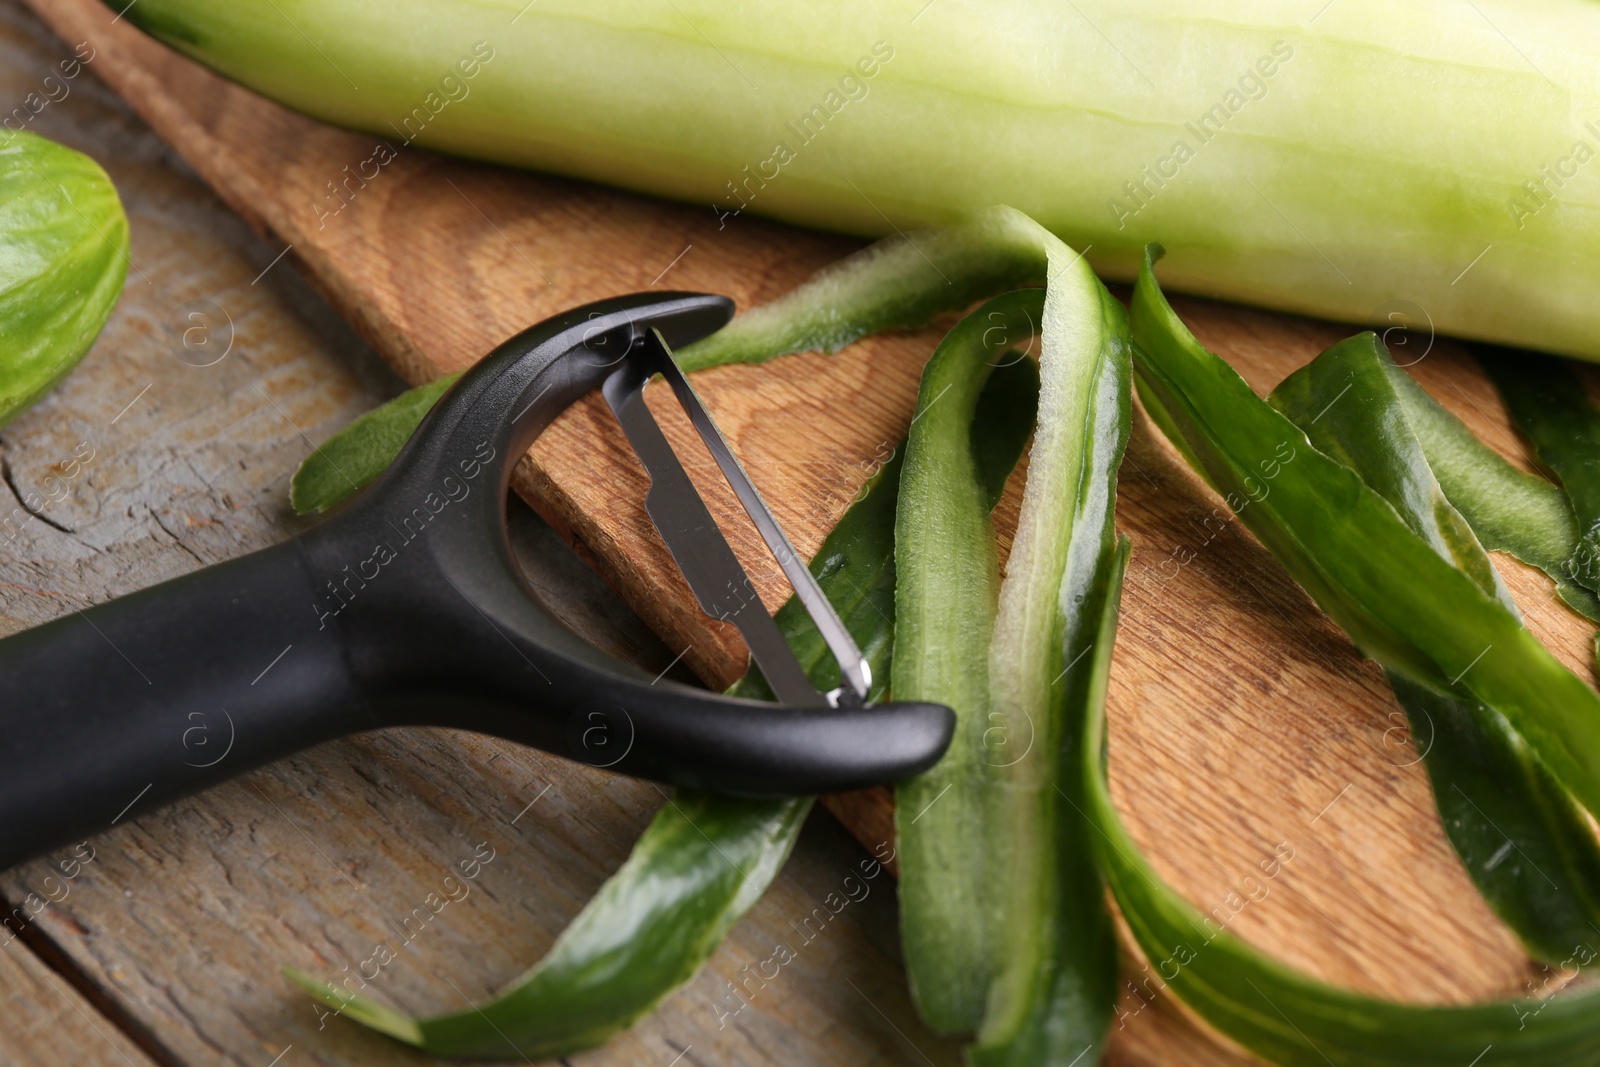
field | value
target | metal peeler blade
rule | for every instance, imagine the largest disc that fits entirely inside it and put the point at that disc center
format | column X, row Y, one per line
column 701, row 550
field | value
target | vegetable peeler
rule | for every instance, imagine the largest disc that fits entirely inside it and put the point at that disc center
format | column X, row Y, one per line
column 406, row 608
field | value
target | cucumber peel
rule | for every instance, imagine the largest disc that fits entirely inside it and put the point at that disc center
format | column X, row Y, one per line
column 1493, row 795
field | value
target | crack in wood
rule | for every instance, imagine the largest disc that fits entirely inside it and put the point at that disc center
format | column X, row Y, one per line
column 11, row 484
column 60, row 962
column 156, row 518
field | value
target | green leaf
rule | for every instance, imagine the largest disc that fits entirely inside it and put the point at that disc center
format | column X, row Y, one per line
column 1526, row 844
column 1283, row 1015
column 1402, row 604
column 63, row 258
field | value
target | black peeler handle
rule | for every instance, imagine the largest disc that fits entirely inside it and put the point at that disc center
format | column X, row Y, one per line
column 124, row 706
column 405, row 608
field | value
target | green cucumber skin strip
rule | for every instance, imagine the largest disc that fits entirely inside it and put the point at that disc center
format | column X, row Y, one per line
column 354, row 457
column 1551, row 407
column 1283, row 1015
column 1004, row 925
column 700, row 865
column 667, row 910
column 1053, row 996
column 1349, row 408
column 945, row 597
column 900, row 281
column 1301, row 202
column 1403, row 606
column 63, row 259
column 1525, row 842
column 1493, row 796
column 1509, row 510
column 648, row 930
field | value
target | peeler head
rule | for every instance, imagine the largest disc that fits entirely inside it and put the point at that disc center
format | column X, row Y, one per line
column 440, row 626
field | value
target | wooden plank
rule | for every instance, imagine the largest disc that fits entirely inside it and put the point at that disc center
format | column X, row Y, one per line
column 1241, row 719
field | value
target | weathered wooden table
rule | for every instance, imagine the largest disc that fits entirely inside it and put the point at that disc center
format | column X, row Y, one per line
column 218, row 371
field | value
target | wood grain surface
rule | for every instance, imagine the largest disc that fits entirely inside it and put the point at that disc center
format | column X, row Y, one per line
column 1241, row 719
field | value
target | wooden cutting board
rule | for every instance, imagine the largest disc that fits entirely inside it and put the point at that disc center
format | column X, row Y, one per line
column 1242, row 721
